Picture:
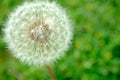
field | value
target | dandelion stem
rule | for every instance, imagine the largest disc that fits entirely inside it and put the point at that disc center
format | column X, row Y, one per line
column 50, row 72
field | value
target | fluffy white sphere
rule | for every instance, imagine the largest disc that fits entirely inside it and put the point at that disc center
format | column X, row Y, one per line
column 38, row 32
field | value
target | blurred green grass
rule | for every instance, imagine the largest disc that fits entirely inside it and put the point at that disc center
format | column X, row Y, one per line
column 94, row 54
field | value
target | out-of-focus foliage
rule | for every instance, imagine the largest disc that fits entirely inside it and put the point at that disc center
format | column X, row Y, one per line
column 94, row 54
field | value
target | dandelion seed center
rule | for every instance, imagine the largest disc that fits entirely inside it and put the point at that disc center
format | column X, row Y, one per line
column 39, row 32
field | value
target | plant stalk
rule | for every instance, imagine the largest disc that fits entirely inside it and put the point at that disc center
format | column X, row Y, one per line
column 50, row 72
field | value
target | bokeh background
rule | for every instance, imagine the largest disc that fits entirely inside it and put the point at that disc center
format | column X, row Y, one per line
column 95, row 49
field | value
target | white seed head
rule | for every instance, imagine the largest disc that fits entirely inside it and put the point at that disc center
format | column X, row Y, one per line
column 38, row 32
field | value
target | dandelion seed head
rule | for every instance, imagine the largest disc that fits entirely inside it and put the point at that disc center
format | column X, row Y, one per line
column 38, row 32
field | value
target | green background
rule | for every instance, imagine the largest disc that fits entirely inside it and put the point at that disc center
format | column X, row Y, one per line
column 95, row 49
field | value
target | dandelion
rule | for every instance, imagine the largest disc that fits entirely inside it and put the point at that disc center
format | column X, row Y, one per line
column 38, row 32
